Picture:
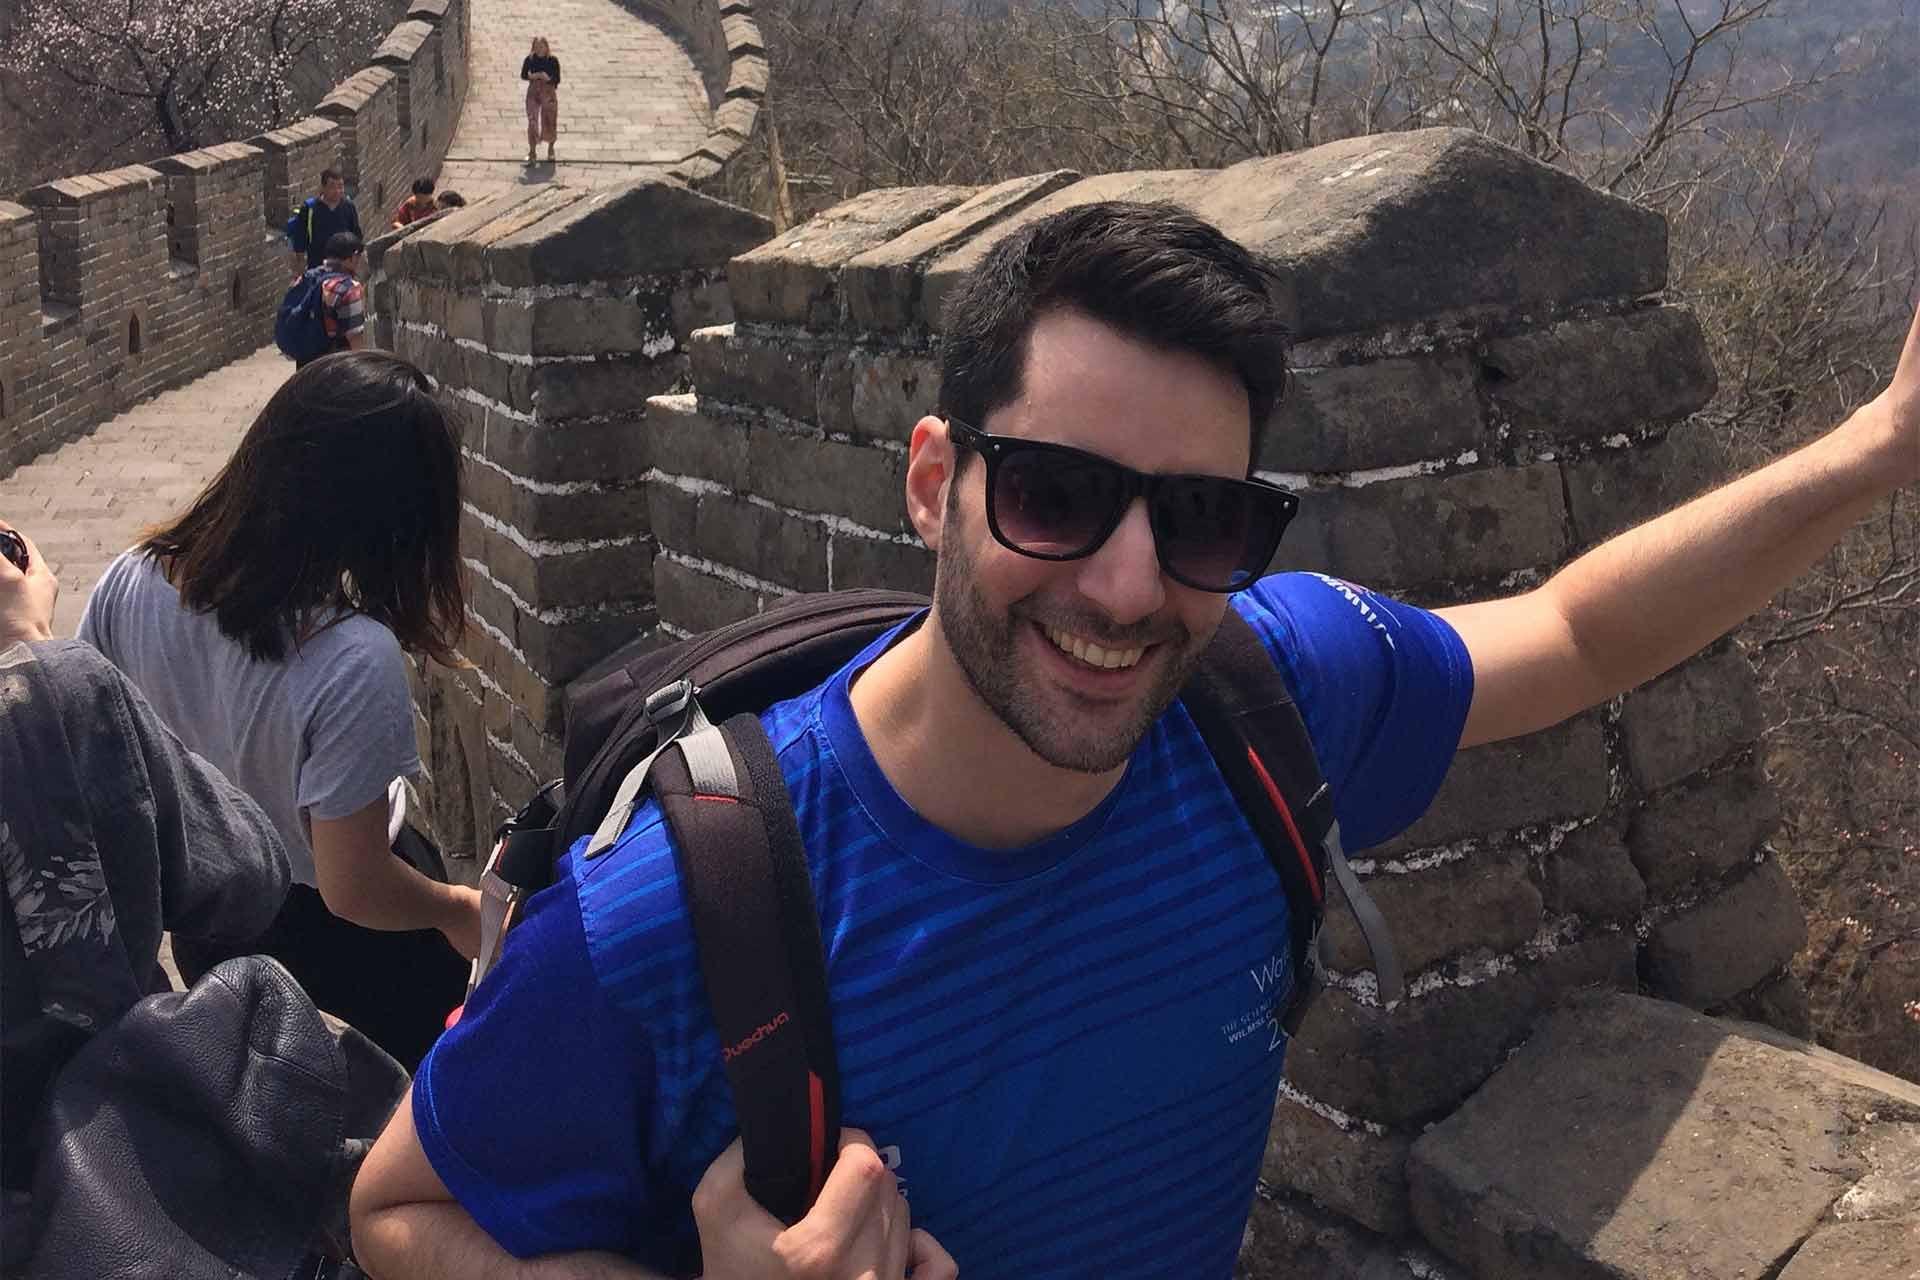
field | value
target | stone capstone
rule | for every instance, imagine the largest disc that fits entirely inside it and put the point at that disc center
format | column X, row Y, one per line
column 1632, row 1140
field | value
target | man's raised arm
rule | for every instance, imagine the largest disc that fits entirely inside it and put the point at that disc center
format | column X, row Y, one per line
column 1644, row 601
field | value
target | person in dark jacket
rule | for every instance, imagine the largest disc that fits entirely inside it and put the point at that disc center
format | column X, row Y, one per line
column 112, row 832
column 317, row 220
column 541, row 70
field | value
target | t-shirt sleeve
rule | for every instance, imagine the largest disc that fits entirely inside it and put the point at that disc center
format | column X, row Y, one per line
column 1384, row 689
column 530, row 1109
column 359, row 734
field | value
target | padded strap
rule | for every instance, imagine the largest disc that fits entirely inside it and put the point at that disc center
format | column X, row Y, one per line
column 1373, row 925
column 744, row 876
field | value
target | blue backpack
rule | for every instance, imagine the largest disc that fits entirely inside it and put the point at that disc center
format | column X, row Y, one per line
column 300, row 329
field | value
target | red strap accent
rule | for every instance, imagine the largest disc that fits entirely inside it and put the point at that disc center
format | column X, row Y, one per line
column 1286, row 816
column 453, row 1019
column 698, row 795
column 817, row 1107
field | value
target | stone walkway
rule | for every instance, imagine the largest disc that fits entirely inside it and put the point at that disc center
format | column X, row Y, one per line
column 88, row 500
column 631, row 98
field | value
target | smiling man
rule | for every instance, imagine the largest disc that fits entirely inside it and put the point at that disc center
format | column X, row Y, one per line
column 1038, row 898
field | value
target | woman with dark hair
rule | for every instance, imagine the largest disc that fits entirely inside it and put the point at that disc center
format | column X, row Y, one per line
column 267, row 625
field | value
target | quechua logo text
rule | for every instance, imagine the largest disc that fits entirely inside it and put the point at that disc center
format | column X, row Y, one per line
column 760, row 1033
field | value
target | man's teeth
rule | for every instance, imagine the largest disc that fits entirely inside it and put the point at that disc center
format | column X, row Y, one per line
column 1090, row 653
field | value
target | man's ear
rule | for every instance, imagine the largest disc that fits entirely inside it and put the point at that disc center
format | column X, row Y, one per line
column 930, row 465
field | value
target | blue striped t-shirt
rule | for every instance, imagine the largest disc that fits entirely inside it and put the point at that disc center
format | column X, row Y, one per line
column 1064, row 1050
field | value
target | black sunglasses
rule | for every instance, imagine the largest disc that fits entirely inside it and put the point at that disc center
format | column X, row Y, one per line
column 1054, row 502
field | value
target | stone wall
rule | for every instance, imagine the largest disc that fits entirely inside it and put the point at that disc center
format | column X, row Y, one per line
column 1487, row 381
column 116, row 285
column 550, row 316
column 726, row 46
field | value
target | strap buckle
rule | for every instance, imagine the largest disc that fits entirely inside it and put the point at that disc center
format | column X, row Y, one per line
column 669, row 702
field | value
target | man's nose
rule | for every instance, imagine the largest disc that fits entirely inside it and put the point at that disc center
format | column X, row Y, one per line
column 1123, row 577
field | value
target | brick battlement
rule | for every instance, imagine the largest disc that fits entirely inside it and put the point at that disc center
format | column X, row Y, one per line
column 124, row 283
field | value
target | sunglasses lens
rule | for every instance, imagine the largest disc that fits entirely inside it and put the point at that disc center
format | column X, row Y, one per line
column 1054, row 504
column 1217, row 534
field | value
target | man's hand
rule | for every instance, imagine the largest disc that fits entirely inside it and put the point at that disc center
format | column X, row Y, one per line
column 26, row 599
column 859, row 1229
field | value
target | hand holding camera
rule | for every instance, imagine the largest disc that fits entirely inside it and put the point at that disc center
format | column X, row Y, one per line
column 28, row 589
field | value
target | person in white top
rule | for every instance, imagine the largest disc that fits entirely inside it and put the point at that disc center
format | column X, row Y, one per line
column 267, row 625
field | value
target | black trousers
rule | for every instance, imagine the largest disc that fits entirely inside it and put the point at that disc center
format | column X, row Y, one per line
column 397, row 988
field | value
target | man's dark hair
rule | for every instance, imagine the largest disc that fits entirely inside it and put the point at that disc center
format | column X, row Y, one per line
column 1152, row 271
column 344, row 495
column 452, row 200
column 331, row 175
column 423, row 186
column 342, row 245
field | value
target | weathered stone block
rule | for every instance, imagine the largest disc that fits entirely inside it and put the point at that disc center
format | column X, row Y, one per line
column 698, row 304
column 1482, row 901
column 749, row 369
column 730, row 530
column 1581, row 377
column 1689, row 718
column 865, row 485
column 696, row 601
column 1424, row 529
column 1383, row 414
column 1691, row 833
column 1591, row 875
column 1557, row 773
column 649, row 227
column 1781, row 1002
column 684, row 441
column 1616, row 489
column 1859, row 1251
column 1384, row 230
column 952, row 265
column 1630, row 1138
column 596, row 326
column 890, row 393
column 1418, row 1060
column 606, row 451
column 791, row 279
column 598, row 388
column 1361, row 1174
column 1290, row 1237
column 1730, row 942
column 882, row 286
column 869, row 562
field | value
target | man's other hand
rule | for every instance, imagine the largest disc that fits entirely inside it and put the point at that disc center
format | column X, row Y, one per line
column 859, row 1229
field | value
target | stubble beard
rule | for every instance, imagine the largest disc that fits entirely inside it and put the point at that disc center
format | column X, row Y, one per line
column 988, row 650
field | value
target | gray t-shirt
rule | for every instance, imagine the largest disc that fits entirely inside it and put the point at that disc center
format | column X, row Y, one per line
column 318, row 735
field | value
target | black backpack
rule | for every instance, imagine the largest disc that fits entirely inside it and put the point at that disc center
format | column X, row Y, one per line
column 681, row 722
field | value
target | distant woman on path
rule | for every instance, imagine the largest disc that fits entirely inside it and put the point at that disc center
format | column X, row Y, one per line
column 268, row 626
column 541, row 70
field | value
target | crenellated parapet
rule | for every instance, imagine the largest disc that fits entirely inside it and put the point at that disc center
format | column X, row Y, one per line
column 117, row 285
column 732, row 57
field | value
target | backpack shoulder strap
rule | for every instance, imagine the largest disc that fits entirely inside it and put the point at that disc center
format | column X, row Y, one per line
column 1251, row 725
column 743, row 873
